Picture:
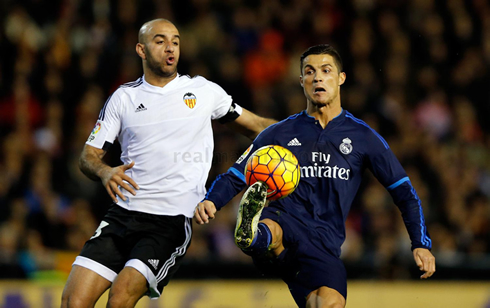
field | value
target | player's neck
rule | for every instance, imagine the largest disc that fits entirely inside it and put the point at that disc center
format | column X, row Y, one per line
column 158, row 81
column 325, row 113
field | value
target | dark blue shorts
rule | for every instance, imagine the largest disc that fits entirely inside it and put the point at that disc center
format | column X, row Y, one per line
column 305, row 264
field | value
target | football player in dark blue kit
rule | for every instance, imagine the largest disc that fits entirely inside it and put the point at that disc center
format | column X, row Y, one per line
column 299, row 237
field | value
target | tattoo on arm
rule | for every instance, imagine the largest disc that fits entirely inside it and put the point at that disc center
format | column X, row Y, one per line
column 91, row 163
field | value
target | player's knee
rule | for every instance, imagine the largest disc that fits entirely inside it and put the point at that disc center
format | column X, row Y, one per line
column 324, row 304
column 74, row 301
column 117, row 300
column 325, row 298
column 114, row 301
column 121, row 297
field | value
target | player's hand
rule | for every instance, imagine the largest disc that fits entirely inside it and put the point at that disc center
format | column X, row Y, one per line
column 204, row 212
column 112, row 178
column 425, row 261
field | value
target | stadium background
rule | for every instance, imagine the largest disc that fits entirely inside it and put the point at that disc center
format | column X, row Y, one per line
column 417, row 71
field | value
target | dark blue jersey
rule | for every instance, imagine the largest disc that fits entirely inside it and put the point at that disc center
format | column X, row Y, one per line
column 332, row 161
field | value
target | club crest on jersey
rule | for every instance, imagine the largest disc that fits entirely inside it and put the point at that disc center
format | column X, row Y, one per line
column 346, row 146
column 190, row 100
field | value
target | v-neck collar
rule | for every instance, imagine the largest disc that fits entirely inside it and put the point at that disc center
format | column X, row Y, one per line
column 165, row 88
column 334, row 122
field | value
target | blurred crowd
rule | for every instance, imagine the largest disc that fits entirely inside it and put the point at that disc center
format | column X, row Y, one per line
column 417, row 71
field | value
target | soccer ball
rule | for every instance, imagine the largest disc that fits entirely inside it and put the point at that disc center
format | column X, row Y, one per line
column 277, row 167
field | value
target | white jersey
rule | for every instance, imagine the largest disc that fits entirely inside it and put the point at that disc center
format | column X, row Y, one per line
column 167, row 132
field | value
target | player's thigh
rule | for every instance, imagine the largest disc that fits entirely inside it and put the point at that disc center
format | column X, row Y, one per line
column 83, row 288
column 325, row 297
column 128, row 287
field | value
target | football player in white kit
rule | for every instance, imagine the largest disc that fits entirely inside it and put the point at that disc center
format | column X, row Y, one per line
column 163, row 123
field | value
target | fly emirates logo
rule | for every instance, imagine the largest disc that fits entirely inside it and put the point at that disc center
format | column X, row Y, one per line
column 321, row 169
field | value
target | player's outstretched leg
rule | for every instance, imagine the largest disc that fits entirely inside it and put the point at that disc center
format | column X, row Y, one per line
column 251, row 206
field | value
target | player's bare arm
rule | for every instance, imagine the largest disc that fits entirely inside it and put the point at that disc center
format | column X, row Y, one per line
column 425, row 261
column 92, row 165
column 204, row 212
column 250, row 125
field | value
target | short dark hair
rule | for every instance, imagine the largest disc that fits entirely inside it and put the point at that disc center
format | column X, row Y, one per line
column 322, row 49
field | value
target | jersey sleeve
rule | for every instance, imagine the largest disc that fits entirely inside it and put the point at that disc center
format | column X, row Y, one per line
column 228, row 185
column 108, row 124
column 390, row 173
column 222, row 101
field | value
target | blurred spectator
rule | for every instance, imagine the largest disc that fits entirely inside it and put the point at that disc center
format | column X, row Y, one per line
column 267, row 64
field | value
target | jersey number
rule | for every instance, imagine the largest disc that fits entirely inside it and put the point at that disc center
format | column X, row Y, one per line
column 103, row 224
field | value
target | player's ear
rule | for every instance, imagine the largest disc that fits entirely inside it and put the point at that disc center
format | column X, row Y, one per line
column 301, row 80
column 140, row 50
column 342, row 77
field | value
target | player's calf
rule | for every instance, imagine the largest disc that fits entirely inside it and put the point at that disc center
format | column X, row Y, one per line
column 275, row 245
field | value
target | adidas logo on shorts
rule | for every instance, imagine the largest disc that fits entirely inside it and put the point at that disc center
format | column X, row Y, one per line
column 154, row 262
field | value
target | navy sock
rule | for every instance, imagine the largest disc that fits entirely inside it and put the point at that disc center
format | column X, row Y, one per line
column 262, row 241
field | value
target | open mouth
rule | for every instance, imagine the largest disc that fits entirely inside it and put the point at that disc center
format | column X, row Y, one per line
column 170, row 60
column 319, row 89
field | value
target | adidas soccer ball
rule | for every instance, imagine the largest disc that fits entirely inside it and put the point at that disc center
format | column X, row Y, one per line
column 275, row 166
